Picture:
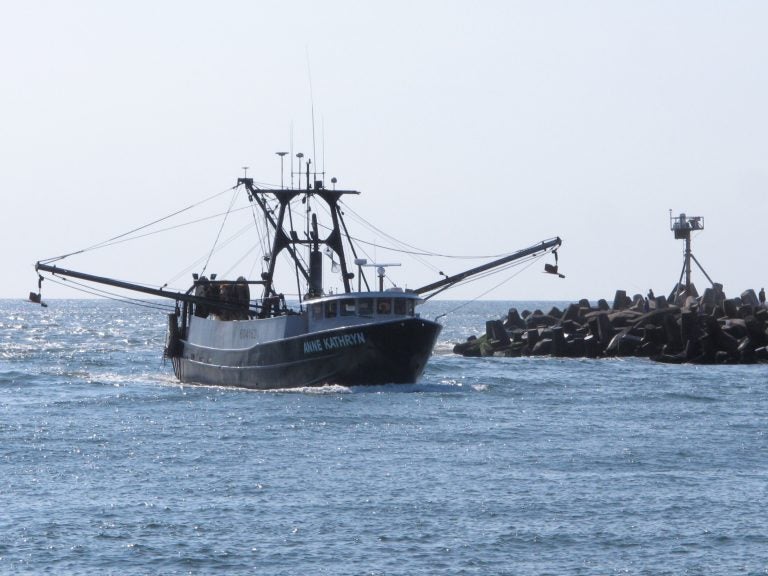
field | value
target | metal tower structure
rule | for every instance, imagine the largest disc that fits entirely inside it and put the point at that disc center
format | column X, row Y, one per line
column 682, row 226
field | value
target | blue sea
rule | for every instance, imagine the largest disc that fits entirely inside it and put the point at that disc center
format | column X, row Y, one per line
column 488, row 466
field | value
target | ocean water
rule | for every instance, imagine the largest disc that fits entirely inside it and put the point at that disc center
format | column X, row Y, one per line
column 487, row 466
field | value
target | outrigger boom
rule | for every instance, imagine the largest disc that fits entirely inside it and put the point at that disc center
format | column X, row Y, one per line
column 159, row 292
column 440, row 285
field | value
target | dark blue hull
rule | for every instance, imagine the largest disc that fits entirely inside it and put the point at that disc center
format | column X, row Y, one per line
column 393, row 352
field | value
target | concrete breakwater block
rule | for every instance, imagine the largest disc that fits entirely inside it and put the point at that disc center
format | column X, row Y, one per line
column 706, row 329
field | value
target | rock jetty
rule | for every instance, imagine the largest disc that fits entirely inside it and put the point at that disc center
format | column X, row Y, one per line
column 681, row 328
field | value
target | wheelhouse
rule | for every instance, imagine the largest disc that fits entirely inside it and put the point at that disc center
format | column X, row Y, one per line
column 361, row 307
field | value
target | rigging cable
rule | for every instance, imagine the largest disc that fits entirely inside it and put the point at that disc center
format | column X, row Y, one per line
column 200, row 259
column 119, row 236
column 86, row 289
column 248, row 252
column 263, row 238
column 223, row 222
column 421, row 252
column 491, row 289
column 114, row 242
column 481, row 275
column 373, row 228
column 414, row 250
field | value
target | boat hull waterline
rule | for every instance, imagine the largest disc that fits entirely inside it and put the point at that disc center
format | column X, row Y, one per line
column 393, row 352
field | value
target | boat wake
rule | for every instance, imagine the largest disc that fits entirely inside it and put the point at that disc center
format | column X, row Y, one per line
column 443, row 349
column 444, row 386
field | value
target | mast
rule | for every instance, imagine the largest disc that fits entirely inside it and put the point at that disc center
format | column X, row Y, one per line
column 333, row 241
column 280, row 241
column 290, row 240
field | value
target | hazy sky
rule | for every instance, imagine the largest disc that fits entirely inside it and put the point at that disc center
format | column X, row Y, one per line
column 470, row 128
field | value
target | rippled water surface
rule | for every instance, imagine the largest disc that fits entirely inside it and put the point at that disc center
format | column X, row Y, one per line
column 487, row 466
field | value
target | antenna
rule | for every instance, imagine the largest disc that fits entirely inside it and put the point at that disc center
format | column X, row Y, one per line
column 282, row 157
column 300, row 155
column 381, row 270
column 322, row 150
column 312, row 107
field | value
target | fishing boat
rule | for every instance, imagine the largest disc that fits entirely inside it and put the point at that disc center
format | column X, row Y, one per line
column 360, row 334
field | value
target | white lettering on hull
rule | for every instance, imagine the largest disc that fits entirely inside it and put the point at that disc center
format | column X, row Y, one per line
column 334, row 342
column 249, row 333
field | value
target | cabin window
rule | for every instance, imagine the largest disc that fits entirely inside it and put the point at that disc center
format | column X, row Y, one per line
column 400, row 306
column 410, row 308
column 317, row 311
column 331, row 309
column 348, row 308
column 365, row 306
column 383, row 306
